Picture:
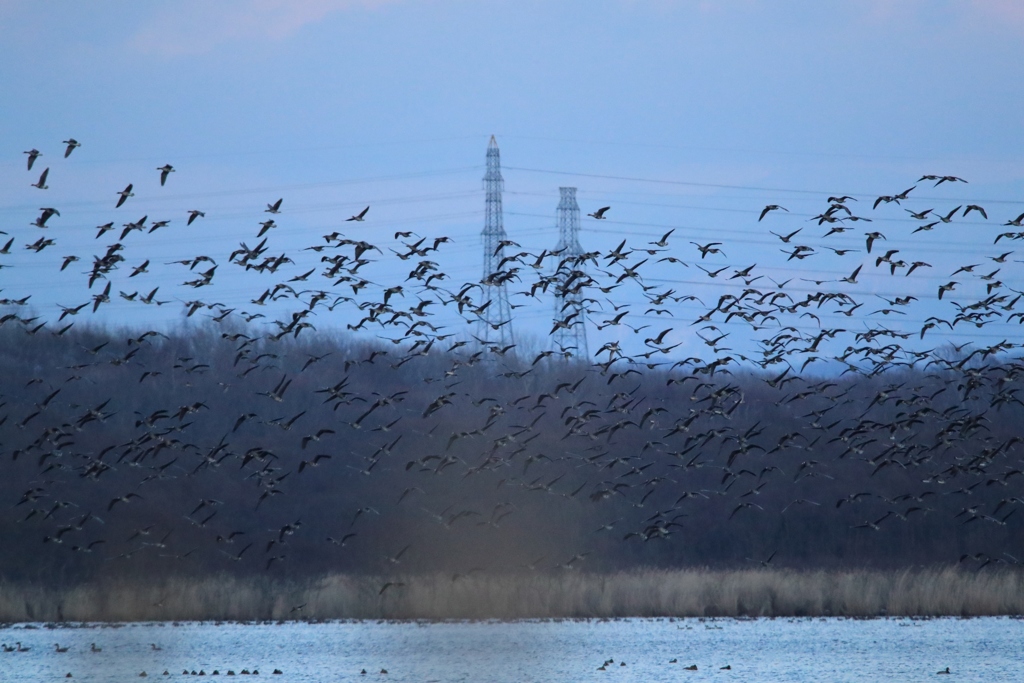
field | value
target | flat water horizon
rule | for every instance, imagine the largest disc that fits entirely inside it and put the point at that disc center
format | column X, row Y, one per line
column 628, row 649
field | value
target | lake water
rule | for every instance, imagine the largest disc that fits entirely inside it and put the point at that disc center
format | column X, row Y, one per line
column 980, row 649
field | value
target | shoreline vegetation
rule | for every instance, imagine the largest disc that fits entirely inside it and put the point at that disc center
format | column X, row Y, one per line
column 927, row 592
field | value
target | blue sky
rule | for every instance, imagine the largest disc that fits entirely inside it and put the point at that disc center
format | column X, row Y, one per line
column 722, row 107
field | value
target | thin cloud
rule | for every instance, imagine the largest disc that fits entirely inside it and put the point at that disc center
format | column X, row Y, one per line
column 197, row 26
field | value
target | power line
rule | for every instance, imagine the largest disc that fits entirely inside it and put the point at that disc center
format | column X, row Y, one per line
column 750, row 188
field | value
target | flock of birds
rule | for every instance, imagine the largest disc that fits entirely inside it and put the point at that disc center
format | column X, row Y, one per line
column 427, row 409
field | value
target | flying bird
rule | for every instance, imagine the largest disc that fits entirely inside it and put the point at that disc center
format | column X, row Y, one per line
column 918, row 264
column 1017, row 222
column 975, row 207
column 786, row 238
column 266, row 225
column 33, row 154
column 124, row 194
column 872, row 236
column 275, row 207
column 948, row 218
column 709, row 248
column 71, row 143
column 41, row 183
column 359, row 216
column 599, row 214
column 165, row 171
column 852, row 278
column 770, row 207
column 948, row 287
column 45, row 216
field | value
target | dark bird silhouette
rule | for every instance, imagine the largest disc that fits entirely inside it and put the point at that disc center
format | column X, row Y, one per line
column 872, row 236
column 46, row 214
column 359, row 216
column 948, row 218
column 165, row 171
column 975, row 207
column 123, row 195
column 126, row 498
column 771, row 207
column 33, row 154
column 786, row 238
column 41, row 183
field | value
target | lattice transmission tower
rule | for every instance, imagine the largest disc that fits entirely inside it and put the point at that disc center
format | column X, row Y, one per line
column 496, row 318
column 570, row 333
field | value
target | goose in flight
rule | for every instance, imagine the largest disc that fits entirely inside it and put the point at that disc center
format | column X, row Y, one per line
column 33, row 154
column 71, row 143
column 41, row 183
column 948, row 218
column 918, row 264
column 975, row 207
column 193, row 214
column 884, row 198
column 965, row 269
column 599, row 214
column 165, row 171
column 872, row 236
column 770, row 207
column 47, row 212
column 124, row 194
column 1016, row 222
column 663, row 242
column 275, row 207
column 852, row 279
column 903, row 195
column 786, row 238
column 942, row 179
column 359, row 216
column 397, row 558
column 709, row 248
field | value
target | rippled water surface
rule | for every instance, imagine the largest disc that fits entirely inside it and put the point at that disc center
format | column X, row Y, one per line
column 986, row 649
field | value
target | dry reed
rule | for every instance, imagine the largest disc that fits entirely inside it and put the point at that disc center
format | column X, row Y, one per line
column 677, row 593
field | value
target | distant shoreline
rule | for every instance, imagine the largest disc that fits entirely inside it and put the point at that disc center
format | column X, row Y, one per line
column 928, row 592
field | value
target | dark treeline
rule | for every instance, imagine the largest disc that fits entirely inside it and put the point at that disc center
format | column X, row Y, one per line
column 216, row 451
column 819, row 422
